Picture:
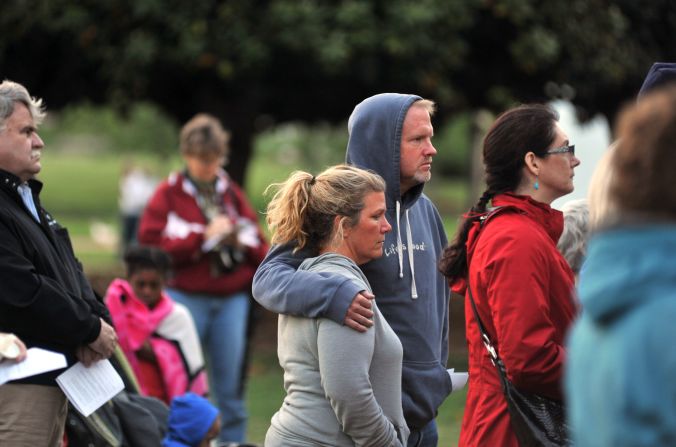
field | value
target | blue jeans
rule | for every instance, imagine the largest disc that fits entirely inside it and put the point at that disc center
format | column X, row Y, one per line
column 427, row 436
column 221, row 322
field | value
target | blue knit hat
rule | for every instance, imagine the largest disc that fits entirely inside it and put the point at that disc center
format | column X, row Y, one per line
column 190, row 418
column 660, row 74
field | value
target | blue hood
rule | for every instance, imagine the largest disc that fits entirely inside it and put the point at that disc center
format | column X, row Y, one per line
column 190, row 418
column 622, row 265
column 375, row 141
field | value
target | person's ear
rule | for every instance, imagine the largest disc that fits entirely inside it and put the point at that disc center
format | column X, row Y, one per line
column 341, row 227
column 336, row 224
column 532, row 163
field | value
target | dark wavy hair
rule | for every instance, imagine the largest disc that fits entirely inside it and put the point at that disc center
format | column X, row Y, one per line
column 523, row 129
column 142, row 257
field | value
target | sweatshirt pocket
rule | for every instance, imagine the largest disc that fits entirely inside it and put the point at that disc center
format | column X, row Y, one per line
column 425, row 386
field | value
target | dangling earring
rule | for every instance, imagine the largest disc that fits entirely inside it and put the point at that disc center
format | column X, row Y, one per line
column 536, row 185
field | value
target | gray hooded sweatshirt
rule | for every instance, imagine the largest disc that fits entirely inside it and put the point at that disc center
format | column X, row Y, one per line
column 343, row 387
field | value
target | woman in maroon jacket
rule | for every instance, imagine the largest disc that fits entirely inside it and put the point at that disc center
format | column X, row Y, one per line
column 204, row 221
column 522, row 286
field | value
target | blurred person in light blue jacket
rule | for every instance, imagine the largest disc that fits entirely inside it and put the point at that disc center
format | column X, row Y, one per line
column 620, row 375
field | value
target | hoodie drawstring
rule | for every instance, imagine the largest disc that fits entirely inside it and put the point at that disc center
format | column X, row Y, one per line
column 400, row 251
column 411, row 263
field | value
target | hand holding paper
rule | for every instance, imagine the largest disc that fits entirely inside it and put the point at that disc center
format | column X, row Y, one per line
column 37, row 361
column 87, row 355
column 106, row 341
column 87, row 388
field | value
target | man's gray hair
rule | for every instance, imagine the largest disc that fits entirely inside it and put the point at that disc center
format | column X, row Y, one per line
column 11, row 93
column 573, row 241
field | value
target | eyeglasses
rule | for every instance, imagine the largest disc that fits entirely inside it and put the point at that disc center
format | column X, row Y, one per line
column 562, row 150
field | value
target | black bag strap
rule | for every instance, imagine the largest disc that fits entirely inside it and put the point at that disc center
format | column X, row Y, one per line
column 488, row 344
column 537, row 421
column 484, row 335
column 485, row 339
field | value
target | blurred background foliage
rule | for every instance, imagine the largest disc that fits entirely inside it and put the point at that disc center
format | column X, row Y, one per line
column 87, row 147
column 95, row 128
column 255, row 63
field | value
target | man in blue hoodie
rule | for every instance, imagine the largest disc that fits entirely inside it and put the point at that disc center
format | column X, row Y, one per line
column 390, row 134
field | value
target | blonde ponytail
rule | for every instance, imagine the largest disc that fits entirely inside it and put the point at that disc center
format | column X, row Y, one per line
column 303, row 207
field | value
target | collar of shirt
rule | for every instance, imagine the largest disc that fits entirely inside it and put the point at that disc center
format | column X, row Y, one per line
column 27, row 197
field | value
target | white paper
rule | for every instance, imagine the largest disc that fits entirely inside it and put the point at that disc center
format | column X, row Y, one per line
column 89, row 388
column 458, row 379
column 37, row 361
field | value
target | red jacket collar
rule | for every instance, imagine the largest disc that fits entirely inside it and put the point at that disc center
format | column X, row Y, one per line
column 548, row 218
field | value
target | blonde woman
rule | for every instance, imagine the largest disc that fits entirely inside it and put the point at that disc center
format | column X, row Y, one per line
column 343, row 387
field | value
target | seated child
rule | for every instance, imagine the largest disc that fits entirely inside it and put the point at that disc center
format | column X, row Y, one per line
column 193, row 422
column 157, row 335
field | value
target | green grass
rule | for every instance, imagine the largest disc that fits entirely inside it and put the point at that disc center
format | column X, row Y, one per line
column 80, row 185
column 450, row 418
column 265, row 391
column 81, row 188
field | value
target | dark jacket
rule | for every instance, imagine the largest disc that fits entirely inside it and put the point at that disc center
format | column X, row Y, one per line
column 411, row 293
column 46, row 299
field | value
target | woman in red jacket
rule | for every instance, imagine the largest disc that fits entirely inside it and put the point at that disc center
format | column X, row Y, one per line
column 204, row 221
column 522, row 286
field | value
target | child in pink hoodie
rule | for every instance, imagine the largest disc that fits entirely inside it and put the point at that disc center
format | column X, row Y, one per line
column 157, row 335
